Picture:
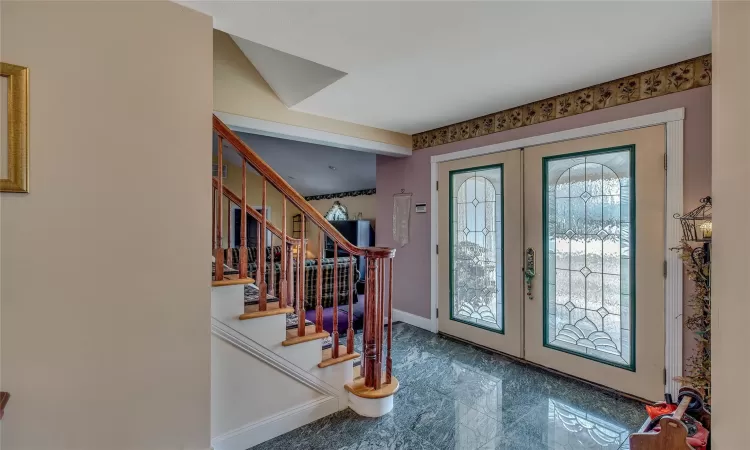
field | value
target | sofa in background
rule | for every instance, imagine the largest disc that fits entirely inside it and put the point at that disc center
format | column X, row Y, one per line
column 345, row 289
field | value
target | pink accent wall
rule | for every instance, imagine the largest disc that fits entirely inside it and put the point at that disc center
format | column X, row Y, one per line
column 411, row 289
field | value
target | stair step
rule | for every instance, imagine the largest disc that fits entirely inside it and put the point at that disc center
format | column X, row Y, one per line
column 358, row 388
column 232, row 280
column 272, row 309
column 306, row 338
column 343, row 356
column 292, row 332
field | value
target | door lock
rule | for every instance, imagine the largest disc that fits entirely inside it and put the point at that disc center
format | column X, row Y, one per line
column 529, row 270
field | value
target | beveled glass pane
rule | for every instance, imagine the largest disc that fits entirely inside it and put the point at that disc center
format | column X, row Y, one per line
column 561, row 250
column 587, row 211
column 476, row 247
column 577, row 179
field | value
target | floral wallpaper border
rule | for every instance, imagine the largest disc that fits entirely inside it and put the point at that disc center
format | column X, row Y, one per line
column 678, row 77
column 341, row 195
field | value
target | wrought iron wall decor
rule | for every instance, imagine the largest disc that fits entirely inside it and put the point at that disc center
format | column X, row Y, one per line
column 679, row 77
column 695, row 252
column 696, row 224
column 697, row 227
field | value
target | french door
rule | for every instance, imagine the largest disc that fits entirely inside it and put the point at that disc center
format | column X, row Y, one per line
column 480, row 298
column 554, row 254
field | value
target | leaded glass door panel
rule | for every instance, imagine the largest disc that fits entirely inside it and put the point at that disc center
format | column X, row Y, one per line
column 480, row 243
column 595, row 218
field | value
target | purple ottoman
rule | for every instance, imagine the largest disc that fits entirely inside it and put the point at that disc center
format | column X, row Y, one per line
column 343, row 312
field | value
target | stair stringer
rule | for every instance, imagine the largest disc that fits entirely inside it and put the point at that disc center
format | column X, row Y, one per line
column 249, row 346
column 227, row 303
column 260, row 338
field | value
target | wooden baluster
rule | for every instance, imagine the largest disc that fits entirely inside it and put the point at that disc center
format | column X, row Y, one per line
column 229, row 259
column 350, row 329
column 272, row 271
column 388, row 361
column 368, row 362
column 319, row 285
column 243, row 224
column 335, row 342
column 289, row 285
column 282, row 276
column 218, row 252
column 262, row 285
column 258, row 274
column 301, row 280
column 229, row 231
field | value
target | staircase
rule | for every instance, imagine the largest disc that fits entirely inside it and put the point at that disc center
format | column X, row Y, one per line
column 271, row 369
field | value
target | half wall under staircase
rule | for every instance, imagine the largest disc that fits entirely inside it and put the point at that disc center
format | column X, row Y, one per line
column 272, row 370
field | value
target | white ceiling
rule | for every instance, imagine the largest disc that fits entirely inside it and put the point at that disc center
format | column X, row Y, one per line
column 305, row 166
column 414, row 66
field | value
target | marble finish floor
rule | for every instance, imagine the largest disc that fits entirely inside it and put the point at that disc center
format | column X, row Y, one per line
column 455, row 396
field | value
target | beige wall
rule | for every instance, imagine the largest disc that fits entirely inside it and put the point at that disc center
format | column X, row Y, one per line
column 240, row 89
column 105, row 290
column 731, row 215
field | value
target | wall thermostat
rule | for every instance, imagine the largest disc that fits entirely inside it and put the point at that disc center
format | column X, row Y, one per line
column 420, row 207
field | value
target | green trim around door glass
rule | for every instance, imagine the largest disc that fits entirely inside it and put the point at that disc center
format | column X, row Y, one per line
column 545, row 253
column 501, row 288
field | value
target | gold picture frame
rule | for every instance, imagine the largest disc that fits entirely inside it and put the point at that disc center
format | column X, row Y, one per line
column 16, row 129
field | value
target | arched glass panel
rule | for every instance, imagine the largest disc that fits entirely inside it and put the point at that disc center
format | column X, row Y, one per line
column 588, row 257
column 477, row 247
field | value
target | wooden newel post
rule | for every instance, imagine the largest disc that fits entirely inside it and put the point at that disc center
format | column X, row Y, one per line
column 388, row 361
column 379, row 318
column 370, row 324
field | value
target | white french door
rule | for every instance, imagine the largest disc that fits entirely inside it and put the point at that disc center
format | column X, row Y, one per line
column 584, row 219
column 480, row 298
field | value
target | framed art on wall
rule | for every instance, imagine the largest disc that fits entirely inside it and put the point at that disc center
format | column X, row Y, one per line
column 14, row 128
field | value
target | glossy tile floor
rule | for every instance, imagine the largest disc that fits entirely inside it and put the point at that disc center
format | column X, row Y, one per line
column 455, row 396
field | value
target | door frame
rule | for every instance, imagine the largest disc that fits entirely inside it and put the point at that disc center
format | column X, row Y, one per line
column 673, row 120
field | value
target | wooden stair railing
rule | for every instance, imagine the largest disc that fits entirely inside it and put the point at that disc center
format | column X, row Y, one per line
column 375, row 371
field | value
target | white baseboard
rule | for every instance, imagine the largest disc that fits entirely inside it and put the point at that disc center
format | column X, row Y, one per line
column 412, row 319
column 270, row 427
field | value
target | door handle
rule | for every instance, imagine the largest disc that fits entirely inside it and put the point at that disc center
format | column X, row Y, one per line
column 529, row 270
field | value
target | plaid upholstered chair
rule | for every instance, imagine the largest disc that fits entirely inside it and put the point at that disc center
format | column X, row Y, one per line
column 311, row 276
